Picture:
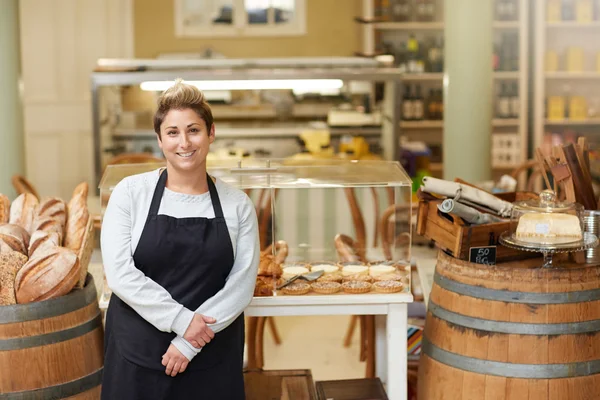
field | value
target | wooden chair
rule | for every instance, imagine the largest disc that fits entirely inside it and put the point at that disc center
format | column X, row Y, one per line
column 22, row 185
column 527, row 175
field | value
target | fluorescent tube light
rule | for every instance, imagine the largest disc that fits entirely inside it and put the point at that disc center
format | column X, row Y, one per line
column 304, row 85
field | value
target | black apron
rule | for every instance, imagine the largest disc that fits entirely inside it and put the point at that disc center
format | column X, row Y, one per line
column 191, row 258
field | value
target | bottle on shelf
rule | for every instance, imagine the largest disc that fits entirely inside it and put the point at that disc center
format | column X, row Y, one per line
column 424, row 10
column 413, row 55
column 381, row 10
column 568, row 10
column 407, row 104
column 503, row 103
column 431, row 106
column 400, row 10
column 435, row 56
column 418, row 105
column 515, row 104
column 506, row 10
column 508, row 52
column 584, row 11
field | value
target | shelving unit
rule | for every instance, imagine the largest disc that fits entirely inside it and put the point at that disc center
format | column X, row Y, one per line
column 558, row 36
column 431, row 131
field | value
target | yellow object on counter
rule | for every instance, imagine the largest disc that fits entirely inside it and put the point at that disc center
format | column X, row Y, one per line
column 556, row 108
column 357, row 146
column 551, row 61
column 316, row 140
column 575, row 59
column 553, row 11
column 584, row 11
column 577, row 108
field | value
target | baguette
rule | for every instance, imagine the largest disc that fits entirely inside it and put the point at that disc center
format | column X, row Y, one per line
column 77, row 218
column 22, row 211
column 14, row 238
column 51, row 273
column 10, row 264
column 4, row 209
column 52, row 207
column 42, row 240
column 52, row 225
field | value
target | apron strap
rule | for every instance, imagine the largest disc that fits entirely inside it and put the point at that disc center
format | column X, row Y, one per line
column 160, row 188
column 158, row 193
column 214, row 198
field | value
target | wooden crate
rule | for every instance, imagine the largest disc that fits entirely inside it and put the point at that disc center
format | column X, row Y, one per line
column 351, row 389
column 279, row 385
column 456, row 237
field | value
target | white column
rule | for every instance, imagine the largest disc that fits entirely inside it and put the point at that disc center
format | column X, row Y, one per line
column 12, row 146
column 468, row 89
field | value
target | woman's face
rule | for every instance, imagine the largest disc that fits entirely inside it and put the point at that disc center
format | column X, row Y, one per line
column 185, row 139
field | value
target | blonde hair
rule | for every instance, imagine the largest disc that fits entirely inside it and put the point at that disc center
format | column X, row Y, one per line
column 181, row 96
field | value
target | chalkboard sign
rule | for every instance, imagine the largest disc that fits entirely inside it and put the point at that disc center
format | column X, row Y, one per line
column 483, row 255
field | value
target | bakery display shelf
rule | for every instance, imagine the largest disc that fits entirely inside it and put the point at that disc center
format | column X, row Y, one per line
column 573, row 75
column 425, row 76
column 439, row 124
column 591, row 121
column 507, row 75
column 573, row 25
column 339, row 298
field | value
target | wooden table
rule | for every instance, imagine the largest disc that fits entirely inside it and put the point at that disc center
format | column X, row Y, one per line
column 390, row 324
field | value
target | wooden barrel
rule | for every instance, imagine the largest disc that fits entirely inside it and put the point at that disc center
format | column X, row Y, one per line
column 512, row 331
column 52, row 349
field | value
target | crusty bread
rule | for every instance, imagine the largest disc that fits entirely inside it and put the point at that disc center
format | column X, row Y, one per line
column 22, row 211
column 50, row 273
column 4, row 209
column 77, row 218
column 42, row 240
column 269, row 267
column 48, row 224
column 52, row 207
column 15, row 238
column 10, row 263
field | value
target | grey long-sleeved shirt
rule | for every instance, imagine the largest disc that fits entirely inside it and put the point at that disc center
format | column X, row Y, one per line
column 122, row 227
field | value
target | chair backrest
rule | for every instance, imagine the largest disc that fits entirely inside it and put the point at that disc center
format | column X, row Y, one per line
column 22, row 185
column 387, row 227
column 527, row 175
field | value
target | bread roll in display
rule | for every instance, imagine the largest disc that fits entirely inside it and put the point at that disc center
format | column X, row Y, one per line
column 49, row 273
column 42, row 240
column 51, row 225
column 52, row 207
column 14, row 238
column 77, row 218
column 4, row 209
column 22, row 211
column 10, row 264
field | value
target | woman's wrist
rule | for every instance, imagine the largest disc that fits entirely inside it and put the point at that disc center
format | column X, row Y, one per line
column 182, row 321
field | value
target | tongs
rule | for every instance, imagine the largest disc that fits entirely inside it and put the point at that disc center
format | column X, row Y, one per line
column 310, row 276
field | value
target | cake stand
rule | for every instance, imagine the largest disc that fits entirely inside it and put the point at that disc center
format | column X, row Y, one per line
column 588, row 241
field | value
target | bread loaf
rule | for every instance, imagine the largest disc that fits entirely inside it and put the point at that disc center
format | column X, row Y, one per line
column 10, row 263
column 50, row 273
column 48, row 224
column 52, row 207
column 269, row 267
column 77, row 218
column 14, row 238
column 22, row 211
column 42, row 240
column 4, row 209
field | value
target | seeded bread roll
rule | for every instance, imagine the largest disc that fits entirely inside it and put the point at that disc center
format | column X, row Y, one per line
column 4, row 209
column 14, row 238
column 42, row 240
column 10, row 263
column 52, row 207
column 22, row 211
column 50, row 273
column 77, row 218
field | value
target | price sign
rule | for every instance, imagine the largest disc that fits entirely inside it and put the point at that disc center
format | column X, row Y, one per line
column 483, row 255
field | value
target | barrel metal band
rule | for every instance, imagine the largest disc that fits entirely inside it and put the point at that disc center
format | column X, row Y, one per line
column 510, row 370
column 517, row 328
column 60, row 391
column 51, row 308
column 52, row 337
column 516, row 297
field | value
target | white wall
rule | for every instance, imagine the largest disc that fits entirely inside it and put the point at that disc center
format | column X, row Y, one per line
column 60, row 43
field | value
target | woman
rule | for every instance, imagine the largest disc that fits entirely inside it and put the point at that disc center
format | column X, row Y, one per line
column 180, row 251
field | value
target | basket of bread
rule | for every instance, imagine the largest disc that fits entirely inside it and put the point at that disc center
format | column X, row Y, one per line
column 45, row 246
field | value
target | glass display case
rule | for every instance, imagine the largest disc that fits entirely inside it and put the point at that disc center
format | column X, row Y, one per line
column 326, row 218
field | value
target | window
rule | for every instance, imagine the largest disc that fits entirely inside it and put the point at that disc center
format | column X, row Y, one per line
column 202, row 18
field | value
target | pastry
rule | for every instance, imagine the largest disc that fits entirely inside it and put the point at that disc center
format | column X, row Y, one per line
column 290, row 272
column 50, row 273
column 4, row 209
column 14, row 238
column 326, row 268
column 326, row 287
column 268, row 266
column 77, row 218
column 388, row 286
column 281, row 251
column 356, row 287
column 10, row 263
column 552, row 227
column 265, row 286
column 296, row 288
column 358, row 277
column 332, row 277
column 355, row 270
column 381, row 269
column 394, row 276
column 42, row 240
column 22, row 211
